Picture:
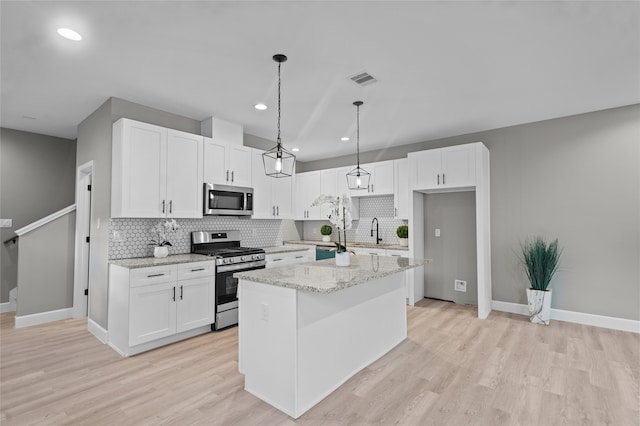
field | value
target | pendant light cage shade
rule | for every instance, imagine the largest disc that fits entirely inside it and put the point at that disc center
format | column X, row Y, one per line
column 278, row 162
column 358, row 178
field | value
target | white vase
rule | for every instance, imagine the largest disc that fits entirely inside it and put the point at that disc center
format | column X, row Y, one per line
column 326, row 238
column 404, row 242
column 343, row 259
column 539, row 302
column 161, row 251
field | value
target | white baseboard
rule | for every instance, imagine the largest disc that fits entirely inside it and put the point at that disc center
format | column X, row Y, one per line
column 44, row 317
column 621, row 324
column 100, row 333
column 6, row 307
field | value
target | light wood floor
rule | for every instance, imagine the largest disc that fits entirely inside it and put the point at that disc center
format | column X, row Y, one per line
column 453, row 369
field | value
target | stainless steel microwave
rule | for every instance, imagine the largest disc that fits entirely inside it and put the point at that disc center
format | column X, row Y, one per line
column 227, row 200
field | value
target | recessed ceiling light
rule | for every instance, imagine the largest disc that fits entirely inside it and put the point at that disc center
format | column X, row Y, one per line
column 69, row 34
column 260, row 107
column 344, row 139
column 295, row 149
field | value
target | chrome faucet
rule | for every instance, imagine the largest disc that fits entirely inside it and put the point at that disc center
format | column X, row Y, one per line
column 378, row 239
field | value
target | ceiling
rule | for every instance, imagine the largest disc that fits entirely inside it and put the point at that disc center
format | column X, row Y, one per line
column 444, row 68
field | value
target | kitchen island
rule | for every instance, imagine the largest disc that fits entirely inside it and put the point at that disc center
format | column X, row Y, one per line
column 305, row 329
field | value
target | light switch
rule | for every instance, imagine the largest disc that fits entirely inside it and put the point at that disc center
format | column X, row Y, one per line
column 437, row 232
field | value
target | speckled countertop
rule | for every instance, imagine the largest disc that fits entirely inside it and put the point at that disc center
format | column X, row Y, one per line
column 145, row 262
column 282, row 249
column 350, row 244
column 325, row 277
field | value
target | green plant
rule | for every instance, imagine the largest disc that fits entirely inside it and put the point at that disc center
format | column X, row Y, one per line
column 326, row 230
column 402, row 231
column 540, row 260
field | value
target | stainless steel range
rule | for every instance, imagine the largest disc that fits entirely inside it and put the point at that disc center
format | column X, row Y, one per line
column 230, row 258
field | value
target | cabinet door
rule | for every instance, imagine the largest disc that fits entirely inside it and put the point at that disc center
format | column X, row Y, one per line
column 458, row 166
column 215, row 161
column 307, row 189
column 428, row 169
column 329, row 186
column 281, row 189
column 343, row 188
column 196, row 303
column 139, row 166
column 239, row 165
column 184, row 175
column 152, row 311
column 263, row 207
column 401, row 192
column 382, row 178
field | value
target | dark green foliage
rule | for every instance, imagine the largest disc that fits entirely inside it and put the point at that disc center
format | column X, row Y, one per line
column 540, row 260
column 402, row 231
column 326, row 230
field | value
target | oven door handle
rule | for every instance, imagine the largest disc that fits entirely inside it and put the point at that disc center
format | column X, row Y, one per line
column 259, row 264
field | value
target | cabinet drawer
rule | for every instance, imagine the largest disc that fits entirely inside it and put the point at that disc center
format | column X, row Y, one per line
column 196, row 269
column 153, row 275
column 398, row 253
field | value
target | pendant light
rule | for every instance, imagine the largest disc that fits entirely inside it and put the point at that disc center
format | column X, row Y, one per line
column 278, row 162
column 358, row 178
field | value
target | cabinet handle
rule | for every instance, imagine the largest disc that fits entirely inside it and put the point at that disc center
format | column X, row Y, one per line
column 227, row 175
column 438, row 178
column 396, row 211
column 162, row 206
column 299, row 257
column 371, row 187
column 276, row 260
column 174, row 294
column 277, row 210
column 395, row 255
column 443, row 179
column 170, row 206
column 155, row 275
column 373, row 254
column 181, row 287
column 232, row 172
column 196, row 270
column 273, row 210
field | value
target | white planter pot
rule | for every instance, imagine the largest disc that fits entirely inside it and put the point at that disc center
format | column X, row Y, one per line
column 539, row 306
column 404, row 242
column 326, row 238
column 343, row 259
column 161, row 251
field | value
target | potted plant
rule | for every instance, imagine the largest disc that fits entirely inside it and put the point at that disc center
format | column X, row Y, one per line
column 159, row 241
column 403, row 233
column 326, row 231
column 540, row 261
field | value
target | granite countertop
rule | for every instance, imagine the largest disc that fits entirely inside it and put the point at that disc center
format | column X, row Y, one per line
column 282, row 249
column 325, row 277
column 350, row 244
column 145, row 262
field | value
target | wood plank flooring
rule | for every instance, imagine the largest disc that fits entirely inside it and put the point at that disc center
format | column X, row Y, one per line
column 453, row 369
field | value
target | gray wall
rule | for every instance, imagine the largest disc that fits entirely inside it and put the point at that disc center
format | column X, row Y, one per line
column 37, row 178
column 576, row 178
column 454, row 252
column 48, row 287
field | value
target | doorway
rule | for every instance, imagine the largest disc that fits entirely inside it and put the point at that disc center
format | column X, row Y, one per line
column 84, row 180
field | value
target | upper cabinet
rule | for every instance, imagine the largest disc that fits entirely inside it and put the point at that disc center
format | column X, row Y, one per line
column 381, row 181
column 307, row 188
column 444, row 168
column 401, row 190
column 334, row 182
column 156, row 172
column 226, row 160
column 271, row 196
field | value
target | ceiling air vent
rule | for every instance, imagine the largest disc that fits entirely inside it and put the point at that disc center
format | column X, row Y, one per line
column 363, row 79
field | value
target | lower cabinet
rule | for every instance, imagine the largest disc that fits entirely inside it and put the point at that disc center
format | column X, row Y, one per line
column 151, row 307
column 275, row 260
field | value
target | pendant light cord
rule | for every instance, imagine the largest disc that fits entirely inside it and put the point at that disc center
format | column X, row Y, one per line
column 279, row 65
column 358, row 135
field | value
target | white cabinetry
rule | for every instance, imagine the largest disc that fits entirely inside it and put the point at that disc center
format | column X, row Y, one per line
column 226, row 163
column 381, row 181
column 401, row 190
column 334, row 182
column 276, row 260
column 156, row 172
column 271, row 196
column 151, row 307
column 307, row 188
column 444, row 168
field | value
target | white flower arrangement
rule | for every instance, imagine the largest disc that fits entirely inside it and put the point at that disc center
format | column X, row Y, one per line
column 160, row 230
column 340, row 216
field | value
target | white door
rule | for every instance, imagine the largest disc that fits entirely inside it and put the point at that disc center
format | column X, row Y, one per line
column 196, row 303
column 428, row 166
column 152, row 312
column 281, row 189
column 382, row 178
column 263, row 207
column 401, row 191
column 329, row 186
column 458, row 166
column 184, row 175
column 215, row 157
column 239, row 165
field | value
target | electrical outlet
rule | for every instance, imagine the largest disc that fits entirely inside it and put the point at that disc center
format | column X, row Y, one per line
column 265, row 312
column 437, row 232
column 6, row 223
column 460, row 285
